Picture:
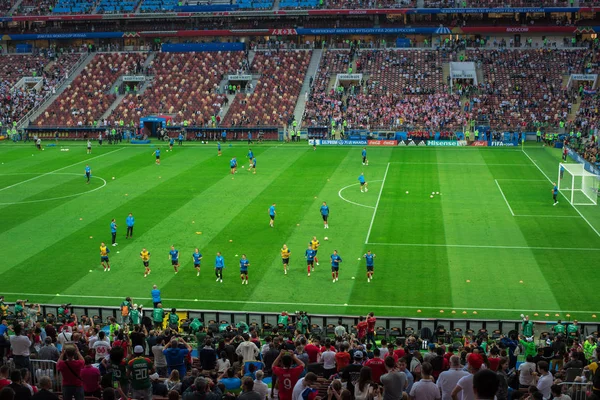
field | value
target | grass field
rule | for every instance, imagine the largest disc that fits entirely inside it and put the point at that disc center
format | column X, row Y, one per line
column 490, row 245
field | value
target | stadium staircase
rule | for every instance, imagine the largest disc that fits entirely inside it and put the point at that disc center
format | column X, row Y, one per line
column 35, row 112
column 141, row 89
column 315, row 61
column 15, row 7
column 276, row 5
column 445, row 72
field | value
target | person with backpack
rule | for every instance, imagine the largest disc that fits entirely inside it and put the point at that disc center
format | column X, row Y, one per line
column 70, row 365
column 126, row 307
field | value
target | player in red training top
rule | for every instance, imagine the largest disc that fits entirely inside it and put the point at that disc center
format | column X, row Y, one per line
column 361, row 328
column 287, row 376
column 371, row 329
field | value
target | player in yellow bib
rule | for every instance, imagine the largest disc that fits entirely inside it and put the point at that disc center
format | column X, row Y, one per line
column 104, row 257
column 145, row 256
column 314, row 244
column 285, row 258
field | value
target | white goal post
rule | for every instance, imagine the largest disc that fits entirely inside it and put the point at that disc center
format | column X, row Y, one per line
column 579, row 186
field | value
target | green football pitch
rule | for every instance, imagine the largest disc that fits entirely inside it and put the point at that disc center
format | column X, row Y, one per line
column 489, row 245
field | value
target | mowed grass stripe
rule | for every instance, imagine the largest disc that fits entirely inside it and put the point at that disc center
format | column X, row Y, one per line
column 475, row 213
column 558, row 267
column 59, row 234
column 46, row 213
column 209, row 204
column 413, row 217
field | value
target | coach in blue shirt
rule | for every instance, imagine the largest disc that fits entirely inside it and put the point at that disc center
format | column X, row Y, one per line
column 155, row 296
column 129, row 221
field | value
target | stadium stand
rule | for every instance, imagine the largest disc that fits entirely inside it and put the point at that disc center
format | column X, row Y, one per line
column 273, row 99
column 74, row 6
column 184, row 85
column 158, row 5
column 416, row 97
column 89, row 95
column 116, row 6
column 17, row 101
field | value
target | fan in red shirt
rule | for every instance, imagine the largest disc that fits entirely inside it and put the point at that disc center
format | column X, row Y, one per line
column 371, row 329
column 361, row 328
column 287, row 376
column 313, row 349
column 377, row 366
column 342, row 357
column 4, row 371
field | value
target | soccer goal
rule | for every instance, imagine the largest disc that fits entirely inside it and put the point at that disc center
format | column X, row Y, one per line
column 579, row 186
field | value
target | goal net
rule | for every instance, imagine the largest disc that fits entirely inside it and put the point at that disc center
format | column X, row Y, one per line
column 579, row 186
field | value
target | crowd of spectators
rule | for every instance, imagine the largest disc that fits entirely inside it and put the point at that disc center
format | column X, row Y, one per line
column 18, row 101
column 214, row 361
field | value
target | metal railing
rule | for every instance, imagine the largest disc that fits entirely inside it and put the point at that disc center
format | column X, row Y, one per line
column 47, row 368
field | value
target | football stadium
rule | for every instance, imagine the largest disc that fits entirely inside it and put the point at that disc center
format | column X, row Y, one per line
column 299, row 199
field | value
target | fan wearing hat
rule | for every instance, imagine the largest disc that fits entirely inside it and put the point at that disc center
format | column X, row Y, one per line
column 139, row 370
column 351, row 373
column 464, row 386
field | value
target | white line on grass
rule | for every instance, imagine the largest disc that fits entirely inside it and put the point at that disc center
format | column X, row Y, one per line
column 377, row 204
column 297, row 303
column 460, row 163
column 549, row 216
column 504, row 197
column 476, row 246
column 575, row 208
column 521, row 180
column 60, row 169
column 351, row 202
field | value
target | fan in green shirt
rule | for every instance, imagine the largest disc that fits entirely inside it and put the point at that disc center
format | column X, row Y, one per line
column 135, row 314
column 573, row 329
column 527, row 326
column 139, row 370
column 559, row 328
column 174, row 319
column 158, row 315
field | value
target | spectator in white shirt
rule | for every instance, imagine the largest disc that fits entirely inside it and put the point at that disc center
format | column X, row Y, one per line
column 247, row 349
column 340, row 330
column 557, row 393
column 65, row 336
column 485, row 384
column 526, row 371
column 20, row 345
column 160, row 361
column 328, row 360
column 101, row 347
column 545, row 381
column 448, row 379
column 259, row 386
column 464, row 386
column 425, row 389
column 223, row 363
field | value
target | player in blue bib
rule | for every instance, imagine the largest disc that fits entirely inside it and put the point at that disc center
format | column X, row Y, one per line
column 113, row 231
column 250, row 155
column 232, row 165
column 325, row 214
column 171, row 143
column 309, row 254
column 335, row 265
column 363, row 183
column 174, row 257
column 244, row 264
column 88, row 172
column 272, row 215
column 180, row 139
column 219, row 265
column 370, row 264
column 555, row 194
column 218, row 148
column 364, row 156
column 196, row 257
column 252, row 165
column 157, row 155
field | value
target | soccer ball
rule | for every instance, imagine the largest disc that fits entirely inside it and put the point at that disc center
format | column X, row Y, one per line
column 325, row 238
column 243, row 166
column 113, row 178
